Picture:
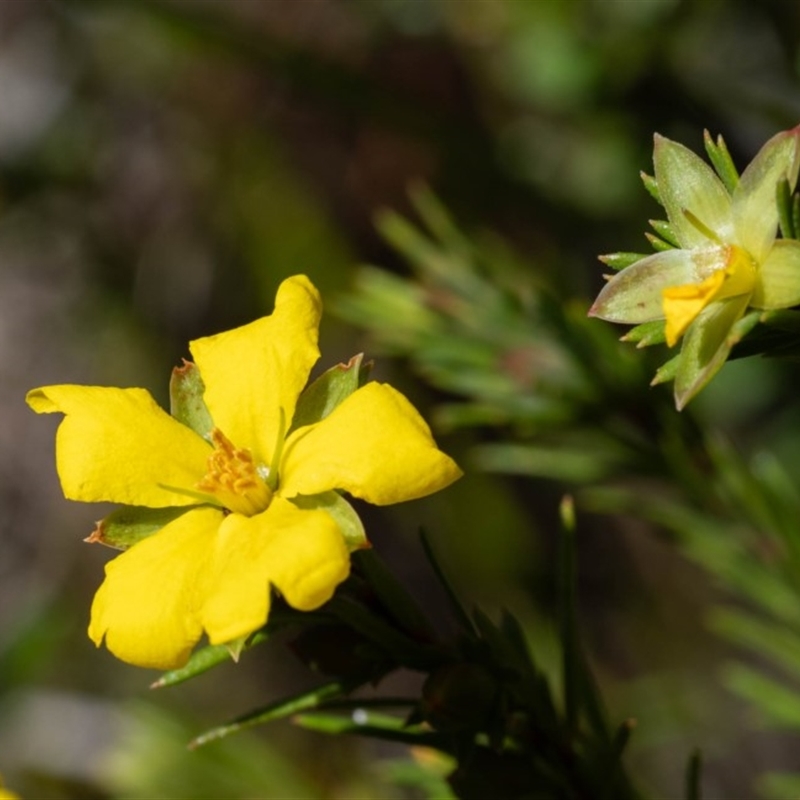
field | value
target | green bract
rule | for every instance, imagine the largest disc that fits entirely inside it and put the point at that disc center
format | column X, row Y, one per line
column 727, row 259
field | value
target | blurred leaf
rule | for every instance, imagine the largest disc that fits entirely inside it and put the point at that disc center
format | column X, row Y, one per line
column 778, row 706
column 424, row 772
column 774, row 784
column 596, row 460
column 151, row 759
column 778, row 642
column 693, row 776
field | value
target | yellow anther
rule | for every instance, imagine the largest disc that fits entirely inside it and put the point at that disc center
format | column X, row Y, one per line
column 233, row 478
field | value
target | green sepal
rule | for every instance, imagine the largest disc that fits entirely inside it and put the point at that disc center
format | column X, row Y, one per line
column 667, row 371
column 707, row 344
column 329, row 390
column 186, row 402
column 658, row 244
column 646, row 334
column 796, row 212
column 344, row 515
column 785, row 217
column 651, row 185
column 127, row 525
column 665, row 231
column 618, row 261
column 721, row 159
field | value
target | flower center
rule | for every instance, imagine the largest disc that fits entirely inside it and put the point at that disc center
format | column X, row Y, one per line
column 234, row 478
column 735, row 275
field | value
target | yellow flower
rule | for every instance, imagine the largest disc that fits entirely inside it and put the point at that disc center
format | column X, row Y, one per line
column 5, row 794
column 248, row 505
column 727, row 260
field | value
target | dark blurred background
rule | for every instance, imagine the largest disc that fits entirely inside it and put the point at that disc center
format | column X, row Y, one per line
column 165, row 163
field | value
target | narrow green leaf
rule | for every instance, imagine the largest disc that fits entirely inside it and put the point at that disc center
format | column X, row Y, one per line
column 374, row 726
column 395, row 600
column 665, row 231
column 693, row 775
column 186, row 390
column 418, row 249
column 203, row 660
column 515, row 636
column 778, row 784
column 657, row 243
column 721, row 160
column 564, row 461
column 652, row 186
column 622, row 737
column 580, row 691
column 779, row 705
column 284, row 707
column 455, row 604
column 778, row 641
column 618, row 261
column 647, row 334
column 403, row 650
column 667, row 371
column 438, row 220
column 127, row 525
column 567, row 614
column 505, row 654
column 329, row 390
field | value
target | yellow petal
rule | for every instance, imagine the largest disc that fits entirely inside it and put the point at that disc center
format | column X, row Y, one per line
column 682, row 304
column 252, row 372
column 375, row 446
column 148, row 607
column 118, row 445
column 778, row 281
column 302, row 553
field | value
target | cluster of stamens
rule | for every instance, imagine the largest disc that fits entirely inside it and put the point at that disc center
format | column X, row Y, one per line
column 234, row 479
